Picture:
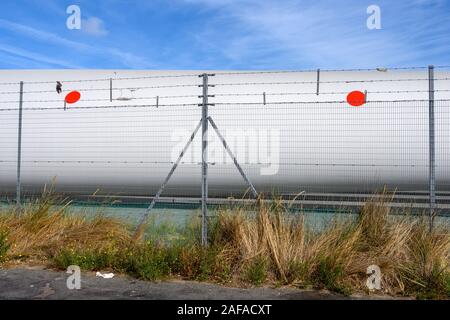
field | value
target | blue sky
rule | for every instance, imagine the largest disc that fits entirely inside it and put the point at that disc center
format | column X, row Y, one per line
column 220, row 34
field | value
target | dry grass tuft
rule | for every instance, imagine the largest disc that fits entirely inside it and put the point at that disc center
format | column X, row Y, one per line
column 41, row 229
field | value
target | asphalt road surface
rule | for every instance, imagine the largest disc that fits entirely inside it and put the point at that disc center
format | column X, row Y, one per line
column 40, row 283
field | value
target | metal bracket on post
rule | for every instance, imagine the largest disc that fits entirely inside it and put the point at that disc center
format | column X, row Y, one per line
column 432, row 177
column 19, row 146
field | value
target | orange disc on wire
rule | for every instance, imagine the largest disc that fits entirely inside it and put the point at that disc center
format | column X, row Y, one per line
column 356, row 98
column 73, row 97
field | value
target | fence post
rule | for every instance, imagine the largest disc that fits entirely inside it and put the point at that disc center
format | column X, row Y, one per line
column 205, row 160
column 19, row 146
column 318, row 81
column 432, row 178
column 110, row 90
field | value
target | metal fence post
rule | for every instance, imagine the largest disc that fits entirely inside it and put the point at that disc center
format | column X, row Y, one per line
column 19, row 146
column 432, row 178
column 205, row 160
column 318, row 81
column 110, row 90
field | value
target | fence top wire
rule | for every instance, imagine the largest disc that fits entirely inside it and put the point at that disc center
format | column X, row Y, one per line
column 230, row 73
column 379, row 69
column 106, row 79
column 334, row 81
column 135, row 88
column 108, row 89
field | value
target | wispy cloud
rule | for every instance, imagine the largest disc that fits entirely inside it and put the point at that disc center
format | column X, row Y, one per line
column 18, row 52
column 324, row 33
column 128, row 59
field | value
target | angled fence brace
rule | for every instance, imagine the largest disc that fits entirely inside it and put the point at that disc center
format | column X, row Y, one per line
column 161, row 189
column 19, row 147
column 236, row 163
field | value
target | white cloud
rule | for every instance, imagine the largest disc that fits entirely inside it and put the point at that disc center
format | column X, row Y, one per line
column 94, row 26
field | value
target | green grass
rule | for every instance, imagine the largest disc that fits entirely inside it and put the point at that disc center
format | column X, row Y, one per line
column 256, row 272
column 330, row 275
column 4, row 245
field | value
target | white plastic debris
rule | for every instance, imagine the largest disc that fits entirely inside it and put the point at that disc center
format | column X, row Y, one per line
column 105, row 275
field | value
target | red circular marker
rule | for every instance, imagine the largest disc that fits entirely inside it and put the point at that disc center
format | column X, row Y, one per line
column 356, row 98
column 73, row 97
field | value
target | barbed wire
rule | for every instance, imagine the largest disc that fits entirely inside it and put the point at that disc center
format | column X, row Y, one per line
column 135, row 88
column 324, row 102
column 103, row 107
column 379, row 69
column 114, row 99
column 216, row 104
column 321, row 93
column 232, row 94
column 322, row 82
column 103, row 79
column 108, row 89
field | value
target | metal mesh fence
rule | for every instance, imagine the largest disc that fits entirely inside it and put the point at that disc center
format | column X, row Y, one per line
column 290, row 132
